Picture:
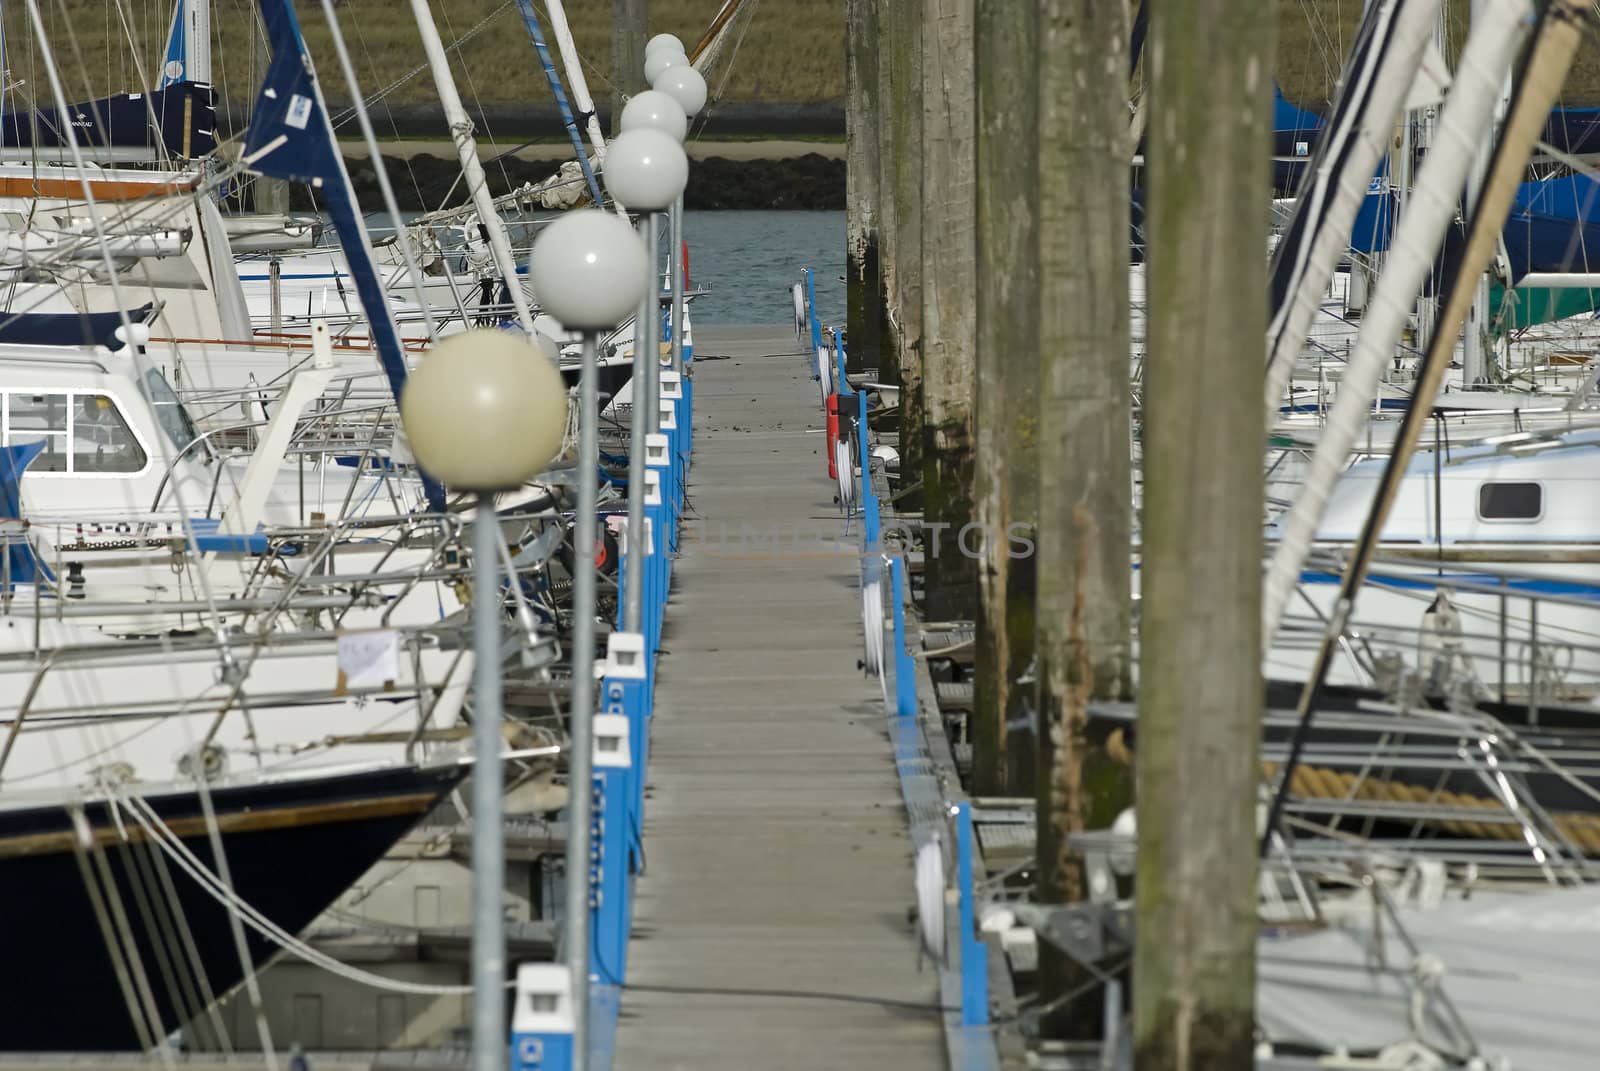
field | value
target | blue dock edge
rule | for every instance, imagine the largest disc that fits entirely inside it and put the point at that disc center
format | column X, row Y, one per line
column 625, row 707
column 970, row 1042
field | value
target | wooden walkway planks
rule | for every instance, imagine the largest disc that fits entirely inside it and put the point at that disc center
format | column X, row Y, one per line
column 778, row 857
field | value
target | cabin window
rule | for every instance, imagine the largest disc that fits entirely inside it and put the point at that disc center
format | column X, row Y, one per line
column 1510, row 501
column 36, row 417
column 83, row 433
column 101, row 439
column 170, row 413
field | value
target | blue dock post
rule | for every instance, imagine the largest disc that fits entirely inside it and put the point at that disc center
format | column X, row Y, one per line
column 541, row 1018
column 905, row 672
column 869, row 501
column 663, row 521
column 974, row 954
column 625, row 690
column 612, row 849
column 673, row 385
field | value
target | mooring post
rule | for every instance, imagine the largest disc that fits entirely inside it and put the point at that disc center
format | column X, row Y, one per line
column 1006, row 467
column 1200, row 687
column 863, row 288
column 1083, row 638
column 949, row 304
column 974, row 954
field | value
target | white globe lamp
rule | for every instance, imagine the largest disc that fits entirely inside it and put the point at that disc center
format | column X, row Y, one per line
column 663, row 40
column 655, row 110
column 646, row 170
column 661, row 59
column 588, row 269
column 684, row 85
column 485, row 411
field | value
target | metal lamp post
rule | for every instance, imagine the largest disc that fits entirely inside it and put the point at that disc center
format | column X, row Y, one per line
column 587, row 270
column 645, row 170
column 685, row 85
column 485, row 412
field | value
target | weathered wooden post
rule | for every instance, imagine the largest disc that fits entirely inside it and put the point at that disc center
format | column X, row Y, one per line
column 949, row 305
column 1200, row 688
column 863, row 286
column 888, row 359
column 901, row 159
column 1085, row 497
column 629, row 26
column 1006, row 483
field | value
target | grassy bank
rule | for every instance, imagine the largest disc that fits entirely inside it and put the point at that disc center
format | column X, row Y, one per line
column 791, row 51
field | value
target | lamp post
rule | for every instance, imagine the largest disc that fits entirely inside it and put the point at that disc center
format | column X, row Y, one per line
column 685, row 86
column 587, row 269
column 645, row 170
column 485, row 412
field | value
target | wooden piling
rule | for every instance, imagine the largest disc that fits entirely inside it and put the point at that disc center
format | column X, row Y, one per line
column 863, row 287
column 630, row 21
column 949, row 306
column 902, row 161
column 1085, row 506
column 1200, row 688
column 1006, row 482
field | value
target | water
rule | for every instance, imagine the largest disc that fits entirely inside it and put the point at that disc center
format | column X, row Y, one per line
column 749, row 261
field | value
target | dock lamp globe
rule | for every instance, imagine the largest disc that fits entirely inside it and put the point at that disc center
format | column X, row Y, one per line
column 588, row 270
column 662, row 58
column 646, row 169
column 683, row 84
column 484, row 412
column 663, row 40
column 654, row 110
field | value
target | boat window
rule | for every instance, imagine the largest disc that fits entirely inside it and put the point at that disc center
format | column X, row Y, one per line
column 1510, row 501
column 101, row 439
column 34, row 417
column 174, row 418
column 82, row 433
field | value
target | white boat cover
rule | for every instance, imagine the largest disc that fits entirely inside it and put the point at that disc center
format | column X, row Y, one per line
column 1523, row 971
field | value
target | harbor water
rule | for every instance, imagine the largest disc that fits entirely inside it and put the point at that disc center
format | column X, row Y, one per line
column 748, row 259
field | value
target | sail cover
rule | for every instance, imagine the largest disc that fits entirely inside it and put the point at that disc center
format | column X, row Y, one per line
column 68, row 328
column 291, row 138
column 184, row 117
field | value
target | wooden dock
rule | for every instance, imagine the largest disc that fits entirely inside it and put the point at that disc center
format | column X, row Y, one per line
column 771, row 925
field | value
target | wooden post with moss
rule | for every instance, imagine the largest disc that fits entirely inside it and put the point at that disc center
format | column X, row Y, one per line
column 1200, row 687
column 863, row 288
column 949, row 306
column 1085, row 506
column 630, row 20
column 1006, row 481
column 902, row 163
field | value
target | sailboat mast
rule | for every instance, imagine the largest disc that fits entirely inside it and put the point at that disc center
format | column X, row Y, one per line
column 1475, row 334
column 188, row 57
column 471, row 166
column 575, row 78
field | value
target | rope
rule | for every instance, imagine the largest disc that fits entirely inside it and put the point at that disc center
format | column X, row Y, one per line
column 190, row 864
column 1314, row 782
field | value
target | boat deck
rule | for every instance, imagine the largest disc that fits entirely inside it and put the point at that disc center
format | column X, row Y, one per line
column 770, row 925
